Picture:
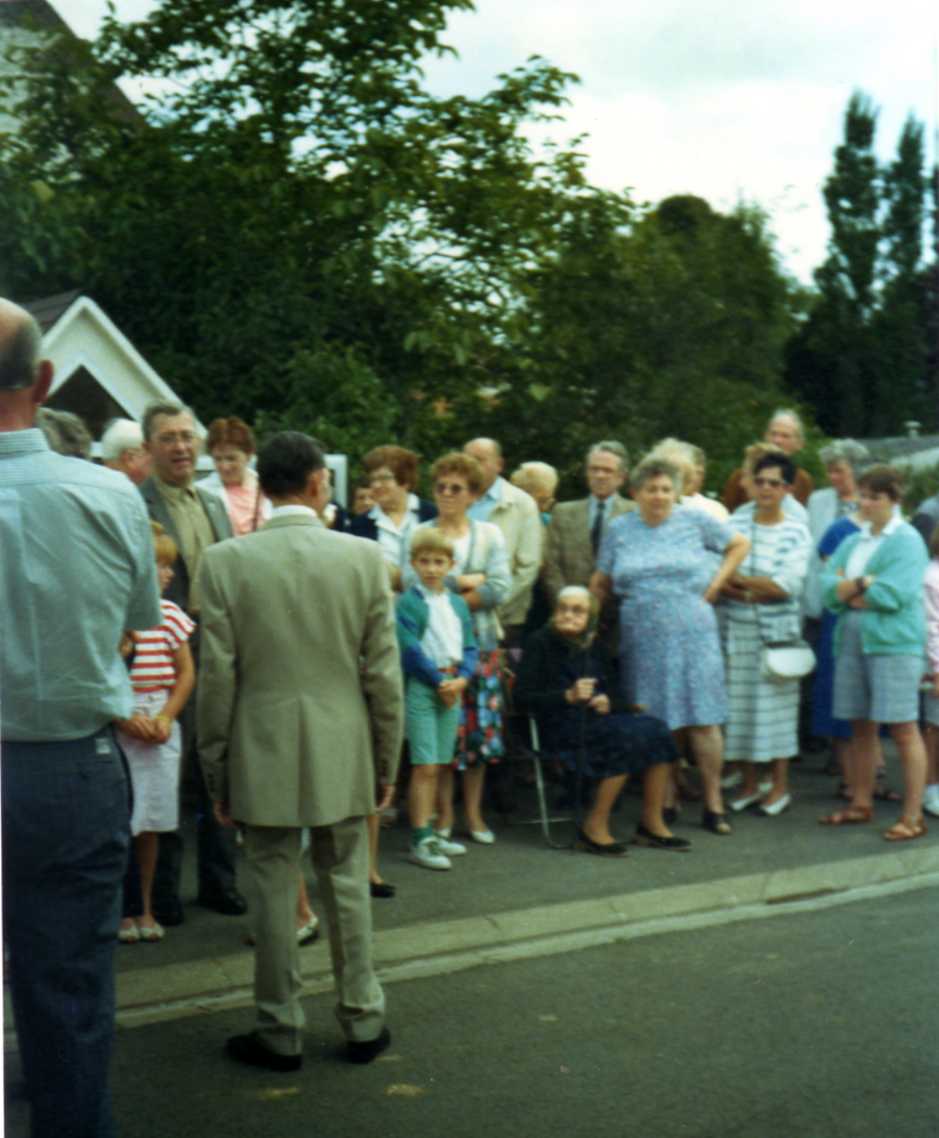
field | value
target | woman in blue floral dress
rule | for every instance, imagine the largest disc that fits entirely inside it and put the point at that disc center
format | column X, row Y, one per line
column 667, row 564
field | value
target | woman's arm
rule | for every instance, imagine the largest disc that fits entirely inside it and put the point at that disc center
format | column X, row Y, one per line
column 498, row 576
column 182, row 690
column 895, row 572
column 734, row 553
column 601, row 585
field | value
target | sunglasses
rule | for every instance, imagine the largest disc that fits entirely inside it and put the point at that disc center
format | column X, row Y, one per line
column 774, row 482
column 450, row 488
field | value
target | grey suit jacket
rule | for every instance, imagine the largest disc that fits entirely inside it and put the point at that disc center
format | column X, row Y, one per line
column 299, row 707
column 178, row 590
column 569, row 556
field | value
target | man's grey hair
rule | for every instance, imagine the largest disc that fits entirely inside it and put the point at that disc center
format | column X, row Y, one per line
column 120, row 435
column 65, row 432
column 611, row 446
column 855, row 454
column 792, row 416
column 19, row 356
column 154, row 410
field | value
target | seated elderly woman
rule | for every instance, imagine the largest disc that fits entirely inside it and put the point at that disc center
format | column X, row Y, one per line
column 565, row 679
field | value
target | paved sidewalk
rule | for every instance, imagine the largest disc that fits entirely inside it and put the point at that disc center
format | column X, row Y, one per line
column 519, row 897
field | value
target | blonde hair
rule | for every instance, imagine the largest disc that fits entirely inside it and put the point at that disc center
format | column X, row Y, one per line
column 163, row 545
column 431, row 540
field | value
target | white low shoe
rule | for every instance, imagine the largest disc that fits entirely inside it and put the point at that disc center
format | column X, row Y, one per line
column 931, row 803
column 427, row 853
column 451, row 849
column 484, row 837
column 777, row 807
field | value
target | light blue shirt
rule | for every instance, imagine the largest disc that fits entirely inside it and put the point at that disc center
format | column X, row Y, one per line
column 77, row 568
column 486, row 503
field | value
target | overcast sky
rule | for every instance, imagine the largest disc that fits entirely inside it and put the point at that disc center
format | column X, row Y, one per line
column 714, row 97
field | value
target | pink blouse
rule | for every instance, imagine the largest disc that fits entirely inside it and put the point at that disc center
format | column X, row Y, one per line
column 247, row 506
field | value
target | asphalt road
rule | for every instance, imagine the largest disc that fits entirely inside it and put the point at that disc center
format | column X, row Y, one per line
column 814, row 1025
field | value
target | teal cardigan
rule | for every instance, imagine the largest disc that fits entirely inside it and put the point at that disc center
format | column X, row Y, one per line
column 894, row 623
column 413, row 616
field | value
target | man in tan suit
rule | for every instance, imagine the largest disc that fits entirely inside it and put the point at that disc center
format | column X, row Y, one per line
column 577, row 528
column 300, row 716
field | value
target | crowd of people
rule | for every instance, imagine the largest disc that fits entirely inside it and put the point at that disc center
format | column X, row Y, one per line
column 301, row 649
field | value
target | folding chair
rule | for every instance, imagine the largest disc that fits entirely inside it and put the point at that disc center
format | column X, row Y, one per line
column 544, row 819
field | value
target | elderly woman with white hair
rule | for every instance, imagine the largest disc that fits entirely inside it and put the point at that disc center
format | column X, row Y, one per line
column 691, row 462
column 784, row 432
column 566, row 679
column 122, row 449
column 667, row 566
column 539, row 480
column 843, row 459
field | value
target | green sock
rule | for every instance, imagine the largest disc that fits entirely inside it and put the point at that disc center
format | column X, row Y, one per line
column 419, row 833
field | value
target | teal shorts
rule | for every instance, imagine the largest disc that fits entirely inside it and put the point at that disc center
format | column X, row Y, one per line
column 430, row 726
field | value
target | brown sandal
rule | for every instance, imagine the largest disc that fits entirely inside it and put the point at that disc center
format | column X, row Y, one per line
column 849, row 816
column 905, row 831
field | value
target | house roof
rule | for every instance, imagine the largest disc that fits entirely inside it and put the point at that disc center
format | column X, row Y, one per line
column 48, row 310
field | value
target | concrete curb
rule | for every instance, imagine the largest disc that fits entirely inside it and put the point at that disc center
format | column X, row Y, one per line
column 430, row 948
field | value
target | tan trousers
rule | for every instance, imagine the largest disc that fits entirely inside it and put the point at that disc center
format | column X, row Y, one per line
column 340, row 861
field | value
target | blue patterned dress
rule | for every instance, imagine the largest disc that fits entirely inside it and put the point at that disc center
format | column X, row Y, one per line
column 671, row 660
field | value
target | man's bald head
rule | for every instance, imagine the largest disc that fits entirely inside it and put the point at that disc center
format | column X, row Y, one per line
column 25, row 378
column 20, row 346
column 488, row 454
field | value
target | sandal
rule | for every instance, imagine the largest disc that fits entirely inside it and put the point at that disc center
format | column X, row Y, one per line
column 716, row 823
column 850, row 816
column 905, row 831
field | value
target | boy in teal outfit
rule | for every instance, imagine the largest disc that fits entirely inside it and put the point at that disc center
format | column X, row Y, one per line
column 438, row 657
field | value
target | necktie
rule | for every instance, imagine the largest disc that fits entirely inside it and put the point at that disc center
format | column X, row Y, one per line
column 596, row 530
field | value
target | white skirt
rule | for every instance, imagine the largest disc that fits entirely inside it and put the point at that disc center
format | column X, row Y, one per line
column 762, row 714
column 154, row 771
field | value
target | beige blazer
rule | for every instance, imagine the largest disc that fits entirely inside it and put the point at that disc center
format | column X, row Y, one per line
column 517, row 517
column 300, row 701
column 569, row 556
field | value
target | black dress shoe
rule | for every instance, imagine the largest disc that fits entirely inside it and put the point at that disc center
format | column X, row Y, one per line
column 645, row 837
column 381, row 889
column 251, row 1050
column 169, row 913
column 608, row 849
column 359, row 1052
column 226, row 901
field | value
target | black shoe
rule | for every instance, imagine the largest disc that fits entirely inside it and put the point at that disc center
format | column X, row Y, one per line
column 609, row 849
column 644, row 837
column 381, row 889
column 227, row 901
column 359, row 1052
column 251, row 1050
column 169, row 913
column 716, row 823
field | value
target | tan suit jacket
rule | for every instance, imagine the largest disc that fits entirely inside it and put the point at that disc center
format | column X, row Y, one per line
column 569, row 556
column 300, row 700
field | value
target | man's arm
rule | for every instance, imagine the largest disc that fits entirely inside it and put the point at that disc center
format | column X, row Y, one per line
column 381, row 671
column 217, row 688
column 527, row 559
column 551, row 573
column 143, row 603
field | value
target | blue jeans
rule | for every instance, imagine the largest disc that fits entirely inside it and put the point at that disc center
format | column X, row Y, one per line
column 66, row 831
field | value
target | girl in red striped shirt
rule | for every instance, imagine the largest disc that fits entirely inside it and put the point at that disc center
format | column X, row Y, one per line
column 162, row 676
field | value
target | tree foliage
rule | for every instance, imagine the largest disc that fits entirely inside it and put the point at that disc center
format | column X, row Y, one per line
column 861, row 356
column 294, row 229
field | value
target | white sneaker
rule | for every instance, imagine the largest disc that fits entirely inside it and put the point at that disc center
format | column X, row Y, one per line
column 428, row 853
column 931, row 801
column 729, row 781
column 451, row 849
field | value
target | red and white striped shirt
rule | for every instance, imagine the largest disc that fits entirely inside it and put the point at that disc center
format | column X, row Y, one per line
column 153, row 668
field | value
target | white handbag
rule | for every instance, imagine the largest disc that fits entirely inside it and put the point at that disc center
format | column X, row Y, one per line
column 784, row 662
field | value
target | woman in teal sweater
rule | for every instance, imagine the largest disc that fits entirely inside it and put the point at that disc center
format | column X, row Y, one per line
column 874, row 583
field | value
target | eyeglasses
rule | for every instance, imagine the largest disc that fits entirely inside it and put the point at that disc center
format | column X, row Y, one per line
column 382, row 478
column 449, row 488
column 774, row 482
column 173, row 437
